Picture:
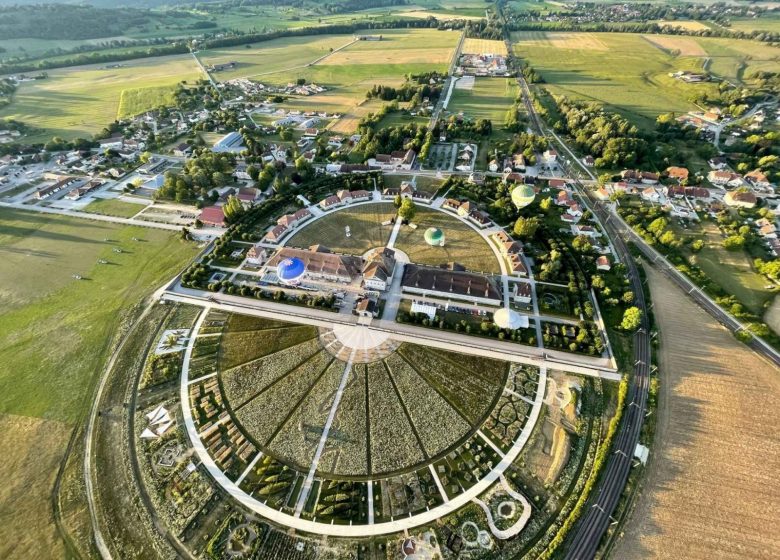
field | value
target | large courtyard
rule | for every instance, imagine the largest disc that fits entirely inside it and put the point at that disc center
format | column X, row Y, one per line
column 370, row 227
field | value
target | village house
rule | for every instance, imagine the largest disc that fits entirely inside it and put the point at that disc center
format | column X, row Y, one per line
column 740, row 199
column 758, row 178
column 522, row 293
column 256, row 255
column 450, row 284
column 276, row 234
column 723, row 178
column 602, row 263
column 678, row 173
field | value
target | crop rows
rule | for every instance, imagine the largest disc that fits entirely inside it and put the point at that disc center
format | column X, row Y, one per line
column 298, row 439
column 438, row 424
column 240, row 323
column 241, row 382
column 393, row 443
column 239, row 348
column 493, row 371
column 262, row 415
column 345, row 450
column 470, row 394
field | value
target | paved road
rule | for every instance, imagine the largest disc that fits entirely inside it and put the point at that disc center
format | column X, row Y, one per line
column 88, row 216
column 404, row 332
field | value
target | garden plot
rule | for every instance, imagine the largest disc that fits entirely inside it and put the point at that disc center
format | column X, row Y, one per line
column 346, row 450
column 394, row 445
column 298, row 439
column 240, row 323
column 243, row 347
column 438, row 424
column 241, row 382
column 264, row 414
column 471, row 395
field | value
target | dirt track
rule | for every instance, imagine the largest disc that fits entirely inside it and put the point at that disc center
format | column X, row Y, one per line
column 712, row 487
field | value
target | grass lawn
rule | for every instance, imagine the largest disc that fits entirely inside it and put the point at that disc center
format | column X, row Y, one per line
column 626, row 72
column 365, row 224
column 730, row 269
column 462, row 244
column 113, row 207
column 79, row 101
column 55, row 335
column 489, row 99
column 139, row 100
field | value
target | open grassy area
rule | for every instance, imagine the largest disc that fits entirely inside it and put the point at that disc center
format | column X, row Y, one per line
column 113, row 207
column 365, row 224
column 626, row 72
column 81, row 100
column 489, row 99
column 483, row 46
column 135, row 101
column 462, row 244
column 733, row 271
column 55, row 334
column 764, row 23
column 258, row 59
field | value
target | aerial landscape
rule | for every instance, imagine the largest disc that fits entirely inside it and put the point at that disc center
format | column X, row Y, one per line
column 389, row 279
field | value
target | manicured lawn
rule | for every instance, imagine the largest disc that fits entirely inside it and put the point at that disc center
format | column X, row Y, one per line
column 81, row 100
column 489, row 99
column 365, row 224
column 55, row 336
column 462, row 244
column 113, row 207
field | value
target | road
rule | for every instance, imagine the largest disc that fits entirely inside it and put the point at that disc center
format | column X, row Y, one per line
column 584, row 543
column 446, row 89
column 595, row 521
column 404, row 332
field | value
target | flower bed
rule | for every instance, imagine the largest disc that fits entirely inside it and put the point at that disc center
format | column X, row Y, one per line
column 393, row 443
column 467, row 392
column 297, row 441
column 241, row 382
column 263, row 414
column 438, row 424
column 242, row 347
column 345, row 451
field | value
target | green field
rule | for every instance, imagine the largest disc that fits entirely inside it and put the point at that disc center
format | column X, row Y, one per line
column 626, row 72
column 55, row 336
column 135, row 101
column 79, row 101
column 258, row 59
column 113, row 207
column 764, row 23
column 364, row 221
column 462, row 244
column 490, row 99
